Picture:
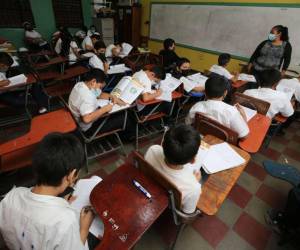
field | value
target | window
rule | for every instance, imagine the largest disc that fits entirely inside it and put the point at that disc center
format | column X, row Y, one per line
column 68, row 13
column 14, row 13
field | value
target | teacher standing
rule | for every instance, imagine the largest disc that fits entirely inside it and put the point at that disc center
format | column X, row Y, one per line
column 274, row 53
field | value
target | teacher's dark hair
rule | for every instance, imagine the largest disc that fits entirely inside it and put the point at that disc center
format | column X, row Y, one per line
column 284, row 32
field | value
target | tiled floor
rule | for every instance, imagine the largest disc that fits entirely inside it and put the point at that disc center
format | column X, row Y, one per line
column 239, row 224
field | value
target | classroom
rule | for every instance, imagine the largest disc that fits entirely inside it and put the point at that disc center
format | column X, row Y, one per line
column 149, row 124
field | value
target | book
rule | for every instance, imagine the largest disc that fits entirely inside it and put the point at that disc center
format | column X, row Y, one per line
column 116, row 107
column 165, row 96
column 117, row 69
column 82, row 191
column 198, row 78
column 246, row 78
column 15, row 80
column 169, row 84
column 188, row 85
column 250, row 113
column 220, row 157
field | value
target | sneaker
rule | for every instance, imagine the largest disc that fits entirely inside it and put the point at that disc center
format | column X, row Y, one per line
column 42, row 110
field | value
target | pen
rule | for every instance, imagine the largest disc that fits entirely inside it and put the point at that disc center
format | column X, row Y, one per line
column 141, row 188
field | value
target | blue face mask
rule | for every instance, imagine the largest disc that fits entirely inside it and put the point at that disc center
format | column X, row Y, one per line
column 96, row 92
column 272, row 37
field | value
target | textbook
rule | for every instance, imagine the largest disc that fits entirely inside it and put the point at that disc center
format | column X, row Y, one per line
column 168, row 86
column 165, row 96
column 128, row 89
column 103, row 102
column 246, row 78
column 15, row 80
column 117, row 69
column 193, row 81
column 220, row 157
column 250, row 113
column 82, row 191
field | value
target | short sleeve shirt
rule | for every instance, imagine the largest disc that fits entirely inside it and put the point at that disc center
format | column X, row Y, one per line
column 221, row 71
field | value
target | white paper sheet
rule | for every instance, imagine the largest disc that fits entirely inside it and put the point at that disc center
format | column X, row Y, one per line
column 83, row 188
column 169, row 84
column 102, row 102
column 165, row 96
column 118, row 68
column 220, row 157
column 117, row 107
column 198, row 79
column 15, row 80
column 246, row 77
column 188, row 85
column 250, row 113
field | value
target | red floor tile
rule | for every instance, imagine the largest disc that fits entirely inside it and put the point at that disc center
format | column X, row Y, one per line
column 252, row 231
column 256, row 170
column 211, row 229
column 270, row 153
column 292, row 153
column 271, row 196
column 239, row 195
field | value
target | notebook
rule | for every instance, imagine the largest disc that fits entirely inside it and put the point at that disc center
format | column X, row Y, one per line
column 199, row 79
column 83, row 189
column 15, row 80
column 250, row 113
column 117, row 69
column 246, row 77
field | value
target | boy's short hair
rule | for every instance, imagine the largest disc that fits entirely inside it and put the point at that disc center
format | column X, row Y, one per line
column 269, row 77
column 95, row 36
column 6, row 59
column 215, row 86
column 99, row 45
column 181, row 144
column 181, row 61
column 224, row 59
column 57, row 156
column 94, row 73
column 158, row 71
column 168, row 43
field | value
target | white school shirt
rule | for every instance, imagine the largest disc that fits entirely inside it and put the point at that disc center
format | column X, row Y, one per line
column 183, row 179
column 58, row 46
column 220, row 71
column 293, row 84
column 2, row 76
column 87, row 41
column 33, row 221
column 108, row 51
column 82, row 101
column 34, row 34
column 222, row 112
column 96, row 62
column 278, row 100
column 72, row 56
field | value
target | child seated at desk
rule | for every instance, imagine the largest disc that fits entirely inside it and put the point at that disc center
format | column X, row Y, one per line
column 16, row 98
column 278, row 100
column 84, row 104
column 183, row 68
column 230, row 116
column 34, row 39
column 220, row 68
column 98, row 60
column 168, row 53
column 36, row 218
column 292, row 85
column 173, row 159
column 89, row 42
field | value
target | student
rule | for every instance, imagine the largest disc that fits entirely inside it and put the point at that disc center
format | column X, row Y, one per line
column 173, row 159
column 17, row 98
column 92, row 30
column 98, row 60
column 89, row 42
column 279, row 102
column 214, row 107
column 220, row 69
column 183, row 68
column 291, row 84
column 113, row 50
column 168, row 54
column 36, row 218
column 34, row 38
column 84, row 104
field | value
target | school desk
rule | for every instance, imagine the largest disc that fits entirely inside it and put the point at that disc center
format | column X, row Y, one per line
column 258, row 128
column 216, row 188
column 17, row 153
column 238, row 84
column 59, row 60
column 125, row 211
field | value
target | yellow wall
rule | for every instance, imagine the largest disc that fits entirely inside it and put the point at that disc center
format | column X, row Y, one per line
column 199, row 60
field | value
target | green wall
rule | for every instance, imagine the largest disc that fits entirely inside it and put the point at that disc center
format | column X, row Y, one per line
column 44, row 20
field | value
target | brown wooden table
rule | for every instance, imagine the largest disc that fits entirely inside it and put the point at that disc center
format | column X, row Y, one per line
column 121, row 205
column 216, row 188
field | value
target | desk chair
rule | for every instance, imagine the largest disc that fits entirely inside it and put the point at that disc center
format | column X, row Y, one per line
column 208, row 126
column 180, row 218
column 137, row 61
column 99, row 149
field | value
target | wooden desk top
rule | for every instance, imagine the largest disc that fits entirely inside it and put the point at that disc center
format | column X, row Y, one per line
column 258, row 127
column 126, row 207
column 56, row 121
column 52, row 61
column 238, row 84
column 30, row 80
column 216, row 188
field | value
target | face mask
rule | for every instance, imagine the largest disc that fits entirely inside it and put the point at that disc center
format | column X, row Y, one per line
column 185, row 72
column 96, row 92
column 272, row 37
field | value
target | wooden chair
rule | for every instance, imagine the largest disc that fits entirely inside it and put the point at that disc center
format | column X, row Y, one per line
column 208, row 126
column 180, row 218
column 99, row 149
column 137, row 61
column 259, row 105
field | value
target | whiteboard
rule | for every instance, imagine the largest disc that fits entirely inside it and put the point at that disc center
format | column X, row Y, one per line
column 223, row 28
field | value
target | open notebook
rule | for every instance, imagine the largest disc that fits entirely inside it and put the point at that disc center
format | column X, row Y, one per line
column 83, row 189
column 168, row 86
column 246, row 77
column 193, row 81
column 102, row 102
column 250, row 113
column 15, row 80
